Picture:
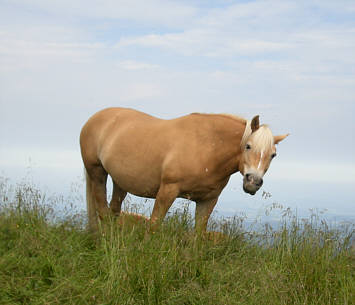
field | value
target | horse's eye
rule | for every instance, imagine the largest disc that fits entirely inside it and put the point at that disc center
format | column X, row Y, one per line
column 273, row 155
column 247, row 146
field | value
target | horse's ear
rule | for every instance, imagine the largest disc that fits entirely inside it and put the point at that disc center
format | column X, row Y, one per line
column 254, row 123
column 278, row 139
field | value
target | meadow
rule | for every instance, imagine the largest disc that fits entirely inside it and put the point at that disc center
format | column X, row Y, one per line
column 46, row 258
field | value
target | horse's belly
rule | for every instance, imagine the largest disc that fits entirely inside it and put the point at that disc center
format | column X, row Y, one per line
column 136, row 178
column 138, row 186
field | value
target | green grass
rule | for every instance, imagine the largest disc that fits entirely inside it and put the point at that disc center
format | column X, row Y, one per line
column 43, row 261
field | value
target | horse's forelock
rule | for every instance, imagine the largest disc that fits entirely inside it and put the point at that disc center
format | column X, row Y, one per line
column 262, row 138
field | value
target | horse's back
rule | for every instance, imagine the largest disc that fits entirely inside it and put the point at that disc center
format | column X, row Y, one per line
column 104, row 124
column 109, row 116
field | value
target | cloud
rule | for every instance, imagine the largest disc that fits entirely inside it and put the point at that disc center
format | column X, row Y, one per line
column 255, row 28
column 247, row 13
column 18, row 54
column 275, row 56
column 140, row 91
column 158, row 12
column 34, row 47
column 342, row 6
column 135, row 65
column 289, row 61
column 204, row 43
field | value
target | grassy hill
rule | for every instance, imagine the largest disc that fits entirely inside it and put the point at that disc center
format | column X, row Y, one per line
column 48, row 261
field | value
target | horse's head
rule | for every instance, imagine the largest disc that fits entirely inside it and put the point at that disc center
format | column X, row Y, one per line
column 258, row 149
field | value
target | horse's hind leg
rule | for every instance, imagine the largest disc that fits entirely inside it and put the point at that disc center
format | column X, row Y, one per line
column 118, row 195
column 98, row 177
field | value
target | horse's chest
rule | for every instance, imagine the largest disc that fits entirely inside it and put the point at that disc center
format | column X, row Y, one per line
column 203, row 187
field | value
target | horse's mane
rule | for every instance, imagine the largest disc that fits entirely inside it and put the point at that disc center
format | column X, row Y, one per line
column 227, row 115
column 233, row 116
column 246, row 134
column 262, row 138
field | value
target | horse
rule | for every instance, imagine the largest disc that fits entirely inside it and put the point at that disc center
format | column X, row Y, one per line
column 190, row 157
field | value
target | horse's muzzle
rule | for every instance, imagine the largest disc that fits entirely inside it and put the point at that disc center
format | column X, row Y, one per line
column 252, row 183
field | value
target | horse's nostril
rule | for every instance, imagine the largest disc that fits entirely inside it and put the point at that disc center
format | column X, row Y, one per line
column 259, row 182
column 253, row 179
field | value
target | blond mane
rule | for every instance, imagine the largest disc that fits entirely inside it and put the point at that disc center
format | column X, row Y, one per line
column 233, row 116
column 227, row 115
column 246, row 134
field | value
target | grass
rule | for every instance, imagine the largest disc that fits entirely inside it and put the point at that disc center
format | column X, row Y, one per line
column 44, row 260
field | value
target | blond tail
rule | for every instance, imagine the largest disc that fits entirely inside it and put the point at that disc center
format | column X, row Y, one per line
column 90, row 205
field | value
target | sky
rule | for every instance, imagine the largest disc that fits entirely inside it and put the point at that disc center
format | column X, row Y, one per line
column 291, row 62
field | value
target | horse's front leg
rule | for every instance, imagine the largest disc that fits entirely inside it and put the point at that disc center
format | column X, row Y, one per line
column 204, row 209
column 166, row 195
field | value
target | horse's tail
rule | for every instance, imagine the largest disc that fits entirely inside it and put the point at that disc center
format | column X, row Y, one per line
column 90, row 204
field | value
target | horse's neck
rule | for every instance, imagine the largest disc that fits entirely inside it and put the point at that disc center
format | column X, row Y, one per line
column 231, row 149
column 234, row 132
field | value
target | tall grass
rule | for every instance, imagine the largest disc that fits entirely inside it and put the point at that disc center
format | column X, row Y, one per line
column 48, row 260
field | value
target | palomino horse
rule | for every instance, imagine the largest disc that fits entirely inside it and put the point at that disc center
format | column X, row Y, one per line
column 189, row 157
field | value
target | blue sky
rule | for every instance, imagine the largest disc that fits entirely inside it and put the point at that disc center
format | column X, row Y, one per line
column 291, row 62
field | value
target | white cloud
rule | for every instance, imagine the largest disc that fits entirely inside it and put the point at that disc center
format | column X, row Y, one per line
column 140, row 91
column 246, row 14
column 201, row 42
column 253, row 28
column 289, row 61
column 343, row 6
column 159, row 12
column 135, row 65
column 37, row 47
column 238, row 58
